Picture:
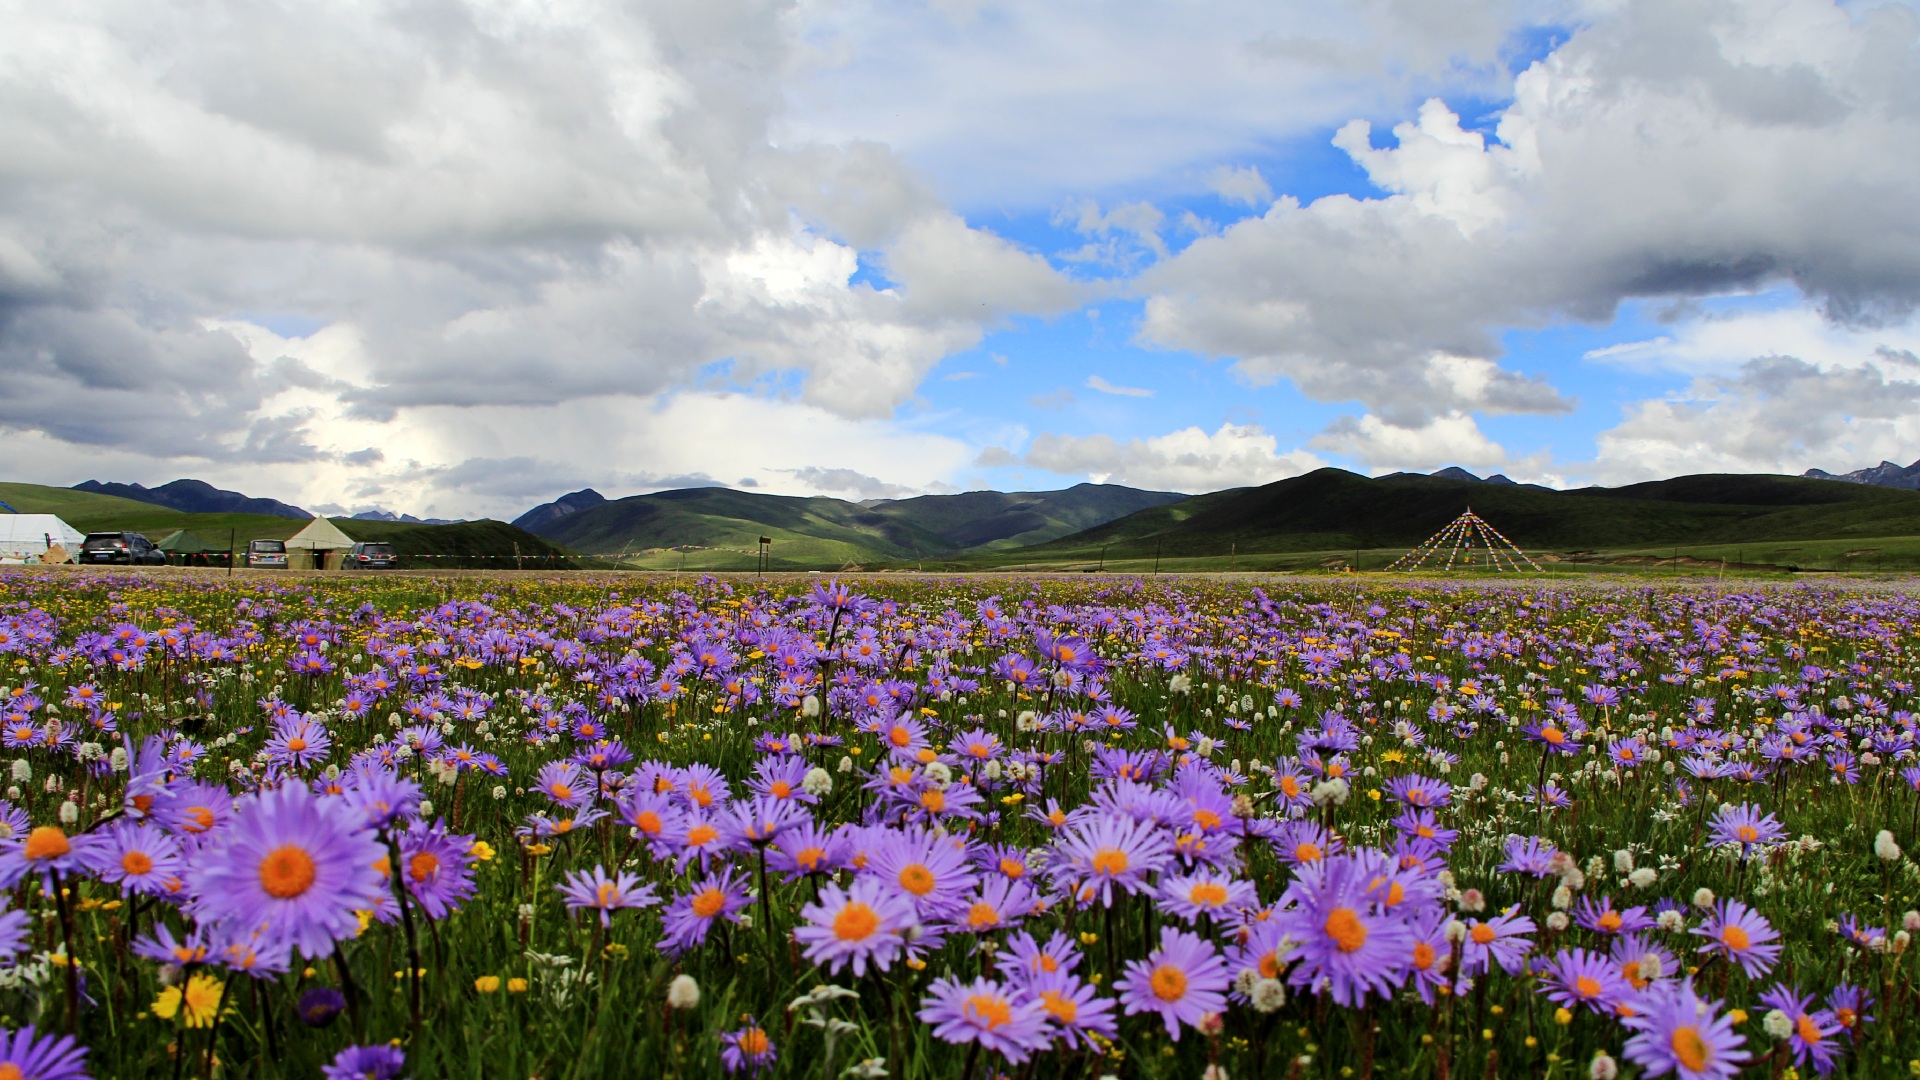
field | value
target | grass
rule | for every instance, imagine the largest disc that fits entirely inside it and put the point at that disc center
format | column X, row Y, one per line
column 1511, row 644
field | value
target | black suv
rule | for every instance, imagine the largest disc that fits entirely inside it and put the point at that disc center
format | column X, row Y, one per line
column 366, row 556
column 129, row 548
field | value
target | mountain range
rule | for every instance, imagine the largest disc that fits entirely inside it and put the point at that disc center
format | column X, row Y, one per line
column 195, row 497
column 1329, row 510
column 1885, row 474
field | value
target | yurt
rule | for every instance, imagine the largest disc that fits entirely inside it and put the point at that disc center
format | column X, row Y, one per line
column 24, row 536
column 319, row 537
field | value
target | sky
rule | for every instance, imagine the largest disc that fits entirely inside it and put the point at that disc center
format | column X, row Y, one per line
column 455, row 258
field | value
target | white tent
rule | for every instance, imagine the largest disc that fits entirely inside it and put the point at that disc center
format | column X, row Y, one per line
column 23, row 535
column 319, row 537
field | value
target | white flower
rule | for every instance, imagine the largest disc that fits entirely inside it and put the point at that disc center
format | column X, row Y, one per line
column 22, row 771
column 69, row 813
column 1623, row 862
column 1473, row 900
column 426, row 808
column 1180, row 684
column 1558, row 921
column 1456, row 931
column 1671, row 922
column 118, row 759
column 817, row 783
column 1603, row 1067
column 1562, row 898
column 499, row 791
column 1703, row 898
column 845, row 766
column 810, row 706
column 1777, row 1024
column 1213, row 1072
column 1885, row 848
column 938, row 774
column 1269, row 995
column 683, row 992
column 1643, row 878
column 1333, row 791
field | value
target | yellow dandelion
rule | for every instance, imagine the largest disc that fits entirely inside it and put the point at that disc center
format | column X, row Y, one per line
column 198, row 1000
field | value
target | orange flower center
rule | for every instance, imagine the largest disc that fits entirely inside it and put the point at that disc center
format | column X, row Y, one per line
column 199, row 819
column 1012, row 868
column 989, row 1010
column 1110, row 861
column 1691, row 1050
column 563, row 792
column 1062, row 1008
column 856, row 922
column 702, row 834
column 1747, row 834
column 136, row 863
column 1307, row 852
column 1423, row 956
column 899, row 736
column 1735, row 938
column 1208, row 894
column 933, row 800
column 780, row 789
column 423, row 865
column 286, row 872
column 296, row 744
column 1586, row 986
column 46, row 842
column 648, row 822
column 1169, row 983
column 916, row 879
column 1609, row 921
column 754, row 1043
column 1808, row 1030
column 1482, row 934
column 10, row 1071
column 982, row 916
column 708, row 902
column 1346, row 930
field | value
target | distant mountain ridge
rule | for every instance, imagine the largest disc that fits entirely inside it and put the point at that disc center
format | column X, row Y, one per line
column 195, row 497
column 1885, row 474
column 408, row 519
column 1333, row 510
column 571, row 503
column 820, row 529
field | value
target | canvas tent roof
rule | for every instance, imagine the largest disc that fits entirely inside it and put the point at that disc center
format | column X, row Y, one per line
column 319, row 535
column 27, row 534
column 182, row 542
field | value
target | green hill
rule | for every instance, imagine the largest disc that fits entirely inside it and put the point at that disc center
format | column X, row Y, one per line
column 1334, row 510
column 724, row 526
column 479, row 543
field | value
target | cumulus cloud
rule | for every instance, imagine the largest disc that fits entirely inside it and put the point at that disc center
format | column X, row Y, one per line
column 1776, row 414
column 1242, row 185
column 1095, row 382
column 1452, row 439
column 482, row 206
column 1234, row 455
column 1625, row 167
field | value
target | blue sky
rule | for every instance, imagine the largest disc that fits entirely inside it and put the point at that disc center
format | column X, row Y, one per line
column 870, row 248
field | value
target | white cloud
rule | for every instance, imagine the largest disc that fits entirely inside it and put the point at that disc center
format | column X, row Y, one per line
column 487, row 206
column 1628, row 166
column 1776, row 414
column 1450, row 439
column 1190, row 459
column 1242, row 185
column 1095, row 382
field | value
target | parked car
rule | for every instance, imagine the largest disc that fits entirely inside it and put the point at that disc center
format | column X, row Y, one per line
column 367, row 556
column 128, row 548
column 267, row 554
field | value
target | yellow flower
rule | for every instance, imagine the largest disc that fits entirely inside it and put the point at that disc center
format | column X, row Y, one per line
column 487, row 984
column 516, row 986
column 366, row 920
column 537, row 850
column 481, row 851
column 1562, row 1017
column 1738, row 1016
column 199, row 999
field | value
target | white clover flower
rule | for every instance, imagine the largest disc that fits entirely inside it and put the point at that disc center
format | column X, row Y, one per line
column 1456, row 931
column 1885, row 847
column 810, row 706
column 845, row 766
column 1703, row 898
column 22, row 771
column 499, row 792
column 1603, row 1067
column 1558, row 921
column 938, row 773
column 69, row 813
column 1562, row 898
column 818, row 782
column 1671, row 922
column 1777, row 1024
column 1269, row 995
column 1623, row 862
column 683, row 992
column 1333, row 791
column 1643, row 878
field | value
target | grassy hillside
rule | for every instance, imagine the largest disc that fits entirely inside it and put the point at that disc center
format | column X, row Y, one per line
column 999, row 519
column 478, row 543
column 806, row 532
column 1331, row 511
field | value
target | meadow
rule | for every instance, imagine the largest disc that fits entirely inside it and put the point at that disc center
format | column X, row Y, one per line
column 629, row 825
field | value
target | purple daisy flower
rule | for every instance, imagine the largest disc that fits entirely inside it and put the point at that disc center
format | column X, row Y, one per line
column 437, row 867
column 986, row 1012
column 1676, row 1032
column 1108, row 852
column 294, row 864
column 366, row 1063
column 1528, row 855
column 1497, row 940
column 1000, row 903
column 929, row 867
column 47, row 851
column 298, row 741
column 30, row 1056
column 1182, row 980
column 15, row 934
column 747, row 1050
column 1190, row 896
column 380, row 796
column 1812, row 1038
column 1603, row 918
column 1742, row 935
column 1744, row 827
column 1028, row 960
column 141, row 860
column 1075, row 1008
column 596, row 891
column 866, row 923
column 1577, row 977
column 692, row 914
column 1346, row 944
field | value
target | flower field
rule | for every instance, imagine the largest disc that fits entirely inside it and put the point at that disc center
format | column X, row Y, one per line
column 521, row 827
